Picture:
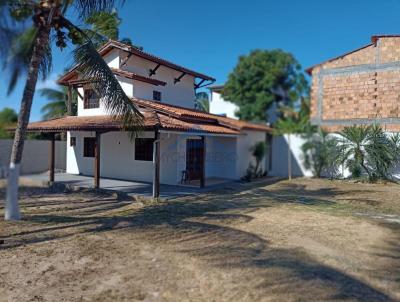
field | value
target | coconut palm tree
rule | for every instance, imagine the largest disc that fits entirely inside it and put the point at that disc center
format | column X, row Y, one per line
column 27, row 32
column 59, row 104
column 202, row 102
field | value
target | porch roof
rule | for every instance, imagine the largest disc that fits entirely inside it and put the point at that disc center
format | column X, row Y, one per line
column 156, row 116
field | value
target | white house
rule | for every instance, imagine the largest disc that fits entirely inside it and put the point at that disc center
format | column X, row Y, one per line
column 278, row 156
column 189, row 146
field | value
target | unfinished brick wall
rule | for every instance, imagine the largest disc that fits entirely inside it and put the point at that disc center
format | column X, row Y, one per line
column 362, row 87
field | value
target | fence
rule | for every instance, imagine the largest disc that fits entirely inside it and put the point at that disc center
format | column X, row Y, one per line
column 35, row 158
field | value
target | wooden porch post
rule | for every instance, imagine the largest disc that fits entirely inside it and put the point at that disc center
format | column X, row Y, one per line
column 69, row 100
column 52, row 158
column 97, row 161
column 156, row 164
column 203, row 168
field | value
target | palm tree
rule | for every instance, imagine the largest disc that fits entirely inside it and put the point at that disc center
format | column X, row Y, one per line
column 370, row 149
column 293, row 122
column 26, row 47
column 59, row 104
column 202, row 102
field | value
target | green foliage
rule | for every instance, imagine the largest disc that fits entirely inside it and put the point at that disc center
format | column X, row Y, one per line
column 321, row 154
column 56, row 107
column 202, row 102
column 8, row 118
column 262, row 78
column 258, row 151
column 370, row 149
column 295, row 122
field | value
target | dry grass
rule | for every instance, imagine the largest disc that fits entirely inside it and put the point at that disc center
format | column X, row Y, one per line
column 287, row 241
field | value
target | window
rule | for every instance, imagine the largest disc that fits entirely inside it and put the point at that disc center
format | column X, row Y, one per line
column 144, row 149
column 90, row 99
column 157, row 96
column 72, row 141
column 89, row 146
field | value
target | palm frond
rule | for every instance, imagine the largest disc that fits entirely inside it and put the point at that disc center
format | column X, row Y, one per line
column 116, row 102
column 87, row 7
column 53, row 110
column 20, row 54
column 52, row 94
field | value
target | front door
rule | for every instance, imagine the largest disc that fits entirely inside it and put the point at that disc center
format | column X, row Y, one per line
column 194, row 158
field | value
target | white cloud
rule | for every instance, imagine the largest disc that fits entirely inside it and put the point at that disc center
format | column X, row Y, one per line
column 50, row 82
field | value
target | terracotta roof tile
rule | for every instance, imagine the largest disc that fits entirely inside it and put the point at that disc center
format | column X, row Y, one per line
column 182, row 112
column 156, row 115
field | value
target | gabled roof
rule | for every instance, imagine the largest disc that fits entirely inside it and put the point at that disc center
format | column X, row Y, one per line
column 156, row 116
column 374, row 39
column 112, row 44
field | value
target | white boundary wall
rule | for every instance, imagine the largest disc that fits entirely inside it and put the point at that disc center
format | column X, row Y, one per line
column 279, row 166
column 36, row 156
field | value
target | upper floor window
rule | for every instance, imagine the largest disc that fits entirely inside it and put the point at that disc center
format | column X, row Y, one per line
column 157, row 96
column 91, row 99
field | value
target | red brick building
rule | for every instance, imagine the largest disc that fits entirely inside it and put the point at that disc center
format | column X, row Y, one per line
column 359, row 87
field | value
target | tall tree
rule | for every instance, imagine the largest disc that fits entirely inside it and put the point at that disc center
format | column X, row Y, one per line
column 262, row 78
column 102, row 25
column 44, row 21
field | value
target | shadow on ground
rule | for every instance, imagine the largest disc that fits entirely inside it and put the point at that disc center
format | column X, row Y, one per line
column 204, row 227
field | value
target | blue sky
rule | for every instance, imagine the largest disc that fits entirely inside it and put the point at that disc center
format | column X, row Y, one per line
column 208, row 36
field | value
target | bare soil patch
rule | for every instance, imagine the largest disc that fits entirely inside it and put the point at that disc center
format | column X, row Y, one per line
column 286, row 241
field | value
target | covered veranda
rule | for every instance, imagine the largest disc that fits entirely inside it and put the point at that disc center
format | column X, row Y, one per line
column 100, row 125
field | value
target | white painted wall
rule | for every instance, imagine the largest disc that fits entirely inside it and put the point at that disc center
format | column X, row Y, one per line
column 221, row 157
column 280, row 156
column 244, row 143
column 219, row 106
column 180, row 94
column 226, row 157
column 35, row 158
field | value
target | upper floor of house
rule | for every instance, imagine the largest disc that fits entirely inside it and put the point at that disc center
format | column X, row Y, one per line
column 359, row 87
column 141, row 75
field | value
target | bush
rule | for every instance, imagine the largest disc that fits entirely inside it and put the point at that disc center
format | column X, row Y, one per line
column 321, row 154
column 370, row 150
column 255, row 171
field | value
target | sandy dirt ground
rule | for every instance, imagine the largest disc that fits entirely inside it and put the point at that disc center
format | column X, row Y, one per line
column 303, row 240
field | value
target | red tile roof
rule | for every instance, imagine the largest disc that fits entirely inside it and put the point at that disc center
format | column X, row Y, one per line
column 182, row 112
column 156, row 115
column 135, row 51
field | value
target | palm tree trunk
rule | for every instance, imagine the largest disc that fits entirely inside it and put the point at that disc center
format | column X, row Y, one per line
column 12, row 207
column 289, row 158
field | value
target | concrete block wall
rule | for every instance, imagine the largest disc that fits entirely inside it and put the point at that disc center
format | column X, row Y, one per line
column 362, row 87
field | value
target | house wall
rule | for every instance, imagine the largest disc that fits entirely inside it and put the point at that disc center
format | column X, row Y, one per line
column 362, row 87
column 221, row 157
column 181, row 93
column 224, row 155
column 117, row 157
column 244, row 143
column 219, row 106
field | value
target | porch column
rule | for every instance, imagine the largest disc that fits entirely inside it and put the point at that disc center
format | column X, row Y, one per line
column 52, row 157
column 156, row 165
column 97, row 161
column 69, row 101
column 203, row 165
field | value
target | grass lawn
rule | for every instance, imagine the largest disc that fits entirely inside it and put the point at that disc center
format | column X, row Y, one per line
column 303, row 240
